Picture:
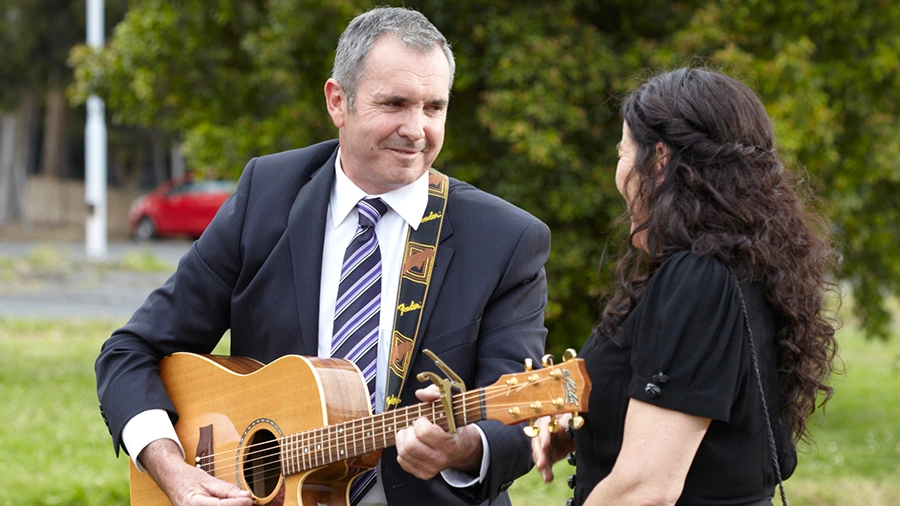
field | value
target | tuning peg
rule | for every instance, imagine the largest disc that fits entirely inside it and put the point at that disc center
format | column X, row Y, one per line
column 569, row 354
column 554, row 424
column 547, row 360
column 531, row 430
column 576, row 422
column 528, row 365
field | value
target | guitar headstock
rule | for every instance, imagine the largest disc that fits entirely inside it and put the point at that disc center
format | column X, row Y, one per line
column 551, row 390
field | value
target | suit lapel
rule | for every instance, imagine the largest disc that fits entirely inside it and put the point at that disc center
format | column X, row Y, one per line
column 306, row 233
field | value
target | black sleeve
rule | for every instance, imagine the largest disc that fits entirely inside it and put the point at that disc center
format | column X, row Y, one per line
column 687, row 340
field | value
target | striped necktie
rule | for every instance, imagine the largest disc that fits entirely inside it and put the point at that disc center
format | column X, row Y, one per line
column 358, row 305
column 357, row 310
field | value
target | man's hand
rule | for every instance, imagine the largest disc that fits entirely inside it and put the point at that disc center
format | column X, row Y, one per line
column 424, row 449
column 186, row 485
column 549, row 447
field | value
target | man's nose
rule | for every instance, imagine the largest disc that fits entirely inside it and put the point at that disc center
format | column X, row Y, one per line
column 413, row 125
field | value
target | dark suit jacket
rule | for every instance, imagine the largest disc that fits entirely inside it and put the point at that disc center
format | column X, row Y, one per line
column 256, row 270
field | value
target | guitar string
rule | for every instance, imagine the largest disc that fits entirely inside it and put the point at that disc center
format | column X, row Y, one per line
column 330, row 436
column 300, row 462
column 297, row 463
column 326, row 437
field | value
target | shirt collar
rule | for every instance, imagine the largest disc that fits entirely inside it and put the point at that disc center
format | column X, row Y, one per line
column 408, row 201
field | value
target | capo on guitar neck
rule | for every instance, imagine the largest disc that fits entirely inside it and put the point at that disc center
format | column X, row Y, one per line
column 444, row 385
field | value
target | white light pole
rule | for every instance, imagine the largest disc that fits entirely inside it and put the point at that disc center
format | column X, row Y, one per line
column 95, row 150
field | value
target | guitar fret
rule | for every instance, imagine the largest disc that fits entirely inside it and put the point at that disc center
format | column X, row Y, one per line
column 362, row 436
column 465, row 417
column 329, row 445
column 341, row 445
column 298, row 453
column 295, row 464
column 284, row 452
column 291, row 462
column 482, row 404
column 355, row 450
column 313, row 459
column 305, row 444
column 318, row 446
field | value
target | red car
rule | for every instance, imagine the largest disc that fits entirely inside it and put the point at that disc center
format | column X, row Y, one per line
column 181, row 206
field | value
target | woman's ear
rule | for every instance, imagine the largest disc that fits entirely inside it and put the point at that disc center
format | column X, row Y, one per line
column 663, row 152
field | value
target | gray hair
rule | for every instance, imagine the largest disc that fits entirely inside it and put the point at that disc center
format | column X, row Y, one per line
column 410, row 27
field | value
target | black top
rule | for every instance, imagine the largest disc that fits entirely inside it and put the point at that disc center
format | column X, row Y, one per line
column 689, row 327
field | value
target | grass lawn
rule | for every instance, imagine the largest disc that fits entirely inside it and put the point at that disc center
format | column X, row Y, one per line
column 56, row 450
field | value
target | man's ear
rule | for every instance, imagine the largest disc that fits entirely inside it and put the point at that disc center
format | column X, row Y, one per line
column 663, row 153
column 336, row 102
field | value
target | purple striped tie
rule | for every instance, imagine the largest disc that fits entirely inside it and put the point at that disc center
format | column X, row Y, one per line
column 357, row 309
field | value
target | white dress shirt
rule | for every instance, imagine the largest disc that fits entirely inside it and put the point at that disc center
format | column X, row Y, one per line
column 406, row 208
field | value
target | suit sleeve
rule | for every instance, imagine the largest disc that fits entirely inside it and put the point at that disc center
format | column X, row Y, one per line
column 512, row 326
column 190, row 312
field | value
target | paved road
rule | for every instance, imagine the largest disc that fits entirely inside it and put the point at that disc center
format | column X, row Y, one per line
column 76, row 288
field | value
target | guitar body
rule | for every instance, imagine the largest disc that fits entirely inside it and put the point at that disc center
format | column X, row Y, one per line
column 233, row 411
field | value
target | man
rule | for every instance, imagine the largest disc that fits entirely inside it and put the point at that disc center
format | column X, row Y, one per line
column 270, row 269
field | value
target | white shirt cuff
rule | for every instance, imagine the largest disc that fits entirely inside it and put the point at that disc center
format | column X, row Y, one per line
column 459, row 479
column 145, row 428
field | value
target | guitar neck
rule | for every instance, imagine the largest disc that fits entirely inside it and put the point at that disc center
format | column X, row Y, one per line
column 319, row 447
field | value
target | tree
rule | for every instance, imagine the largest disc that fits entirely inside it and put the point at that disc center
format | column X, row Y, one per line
column 18, row 108
column 534, row 116
column 36, row 37
column 828, row 73
column 237, row 79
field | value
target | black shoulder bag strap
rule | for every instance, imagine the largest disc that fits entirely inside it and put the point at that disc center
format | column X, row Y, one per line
column 762, row 394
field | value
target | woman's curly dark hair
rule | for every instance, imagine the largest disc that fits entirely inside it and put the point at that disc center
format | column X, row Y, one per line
column 723, row 191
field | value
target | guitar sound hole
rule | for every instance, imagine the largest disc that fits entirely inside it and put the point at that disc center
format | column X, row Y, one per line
column 262, row 468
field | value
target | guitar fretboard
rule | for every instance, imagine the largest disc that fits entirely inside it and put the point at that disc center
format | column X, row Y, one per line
column 319, row 447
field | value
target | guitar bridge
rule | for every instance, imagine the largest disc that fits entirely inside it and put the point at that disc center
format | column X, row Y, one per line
column 204, row 459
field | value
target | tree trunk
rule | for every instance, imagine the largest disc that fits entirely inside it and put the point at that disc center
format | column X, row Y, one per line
column 158, row 148
column 54, row 149
column 17, row 134
column 54, row 162
column 177, row 160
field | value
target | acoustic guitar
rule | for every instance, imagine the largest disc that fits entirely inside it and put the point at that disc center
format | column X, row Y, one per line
column 299, row 430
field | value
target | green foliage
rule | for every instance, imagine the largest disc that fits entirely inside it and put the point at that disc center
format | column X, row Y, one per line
column 36, row 37
column 20, row 44
column 240, row 79
column 534, row 112
column 828, row 73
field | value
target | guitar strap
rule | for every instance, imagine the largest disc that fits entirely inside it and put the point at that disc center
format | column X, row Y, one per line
column 415, row 277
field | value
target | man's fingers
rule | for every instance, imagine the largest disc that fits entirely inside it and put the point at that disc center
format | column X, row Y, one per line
column 421, row 449
column 224, row 490
column 428, row 394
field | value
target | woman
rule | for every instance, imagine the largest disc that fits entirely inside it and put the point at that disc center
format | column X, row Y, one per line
column 719, row 241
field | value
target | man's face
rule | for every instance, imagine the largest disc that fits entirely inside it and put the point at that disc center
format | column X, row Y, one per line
column 397, row 128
